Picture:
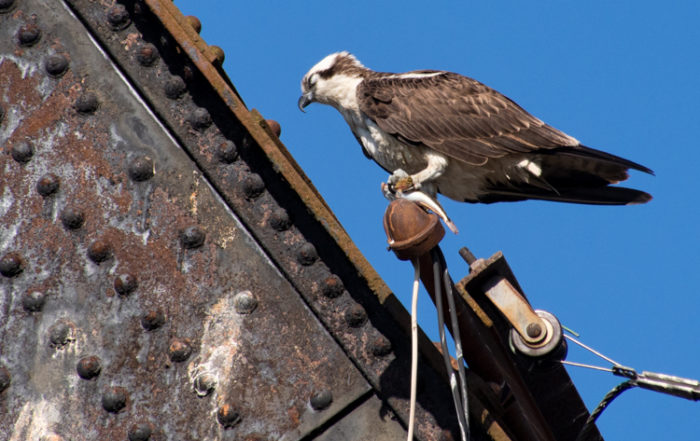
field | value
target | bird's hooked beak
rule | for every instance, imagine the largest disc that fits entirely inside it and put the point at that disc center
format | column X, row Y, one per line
column 305, row 100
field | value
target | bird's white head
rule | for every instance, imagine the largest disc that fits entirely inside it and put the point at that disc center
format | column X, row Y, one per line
column 332, row 81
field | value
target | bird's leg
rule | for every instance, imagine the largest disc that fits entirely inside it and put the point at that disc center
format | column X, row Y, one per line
column 403, row 182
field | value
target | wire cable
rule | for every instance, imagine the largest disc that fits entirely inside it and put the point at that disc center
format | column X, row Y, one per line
column 414, row 349
column 607, row 399
column 458, row 402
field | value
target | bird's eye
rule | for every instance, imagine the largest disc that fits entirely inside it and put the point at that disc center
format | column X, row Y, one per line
column 313, row 79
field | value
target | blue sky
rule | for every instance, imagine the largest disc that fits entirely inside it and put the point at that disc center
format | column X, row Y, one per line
column 620, row 76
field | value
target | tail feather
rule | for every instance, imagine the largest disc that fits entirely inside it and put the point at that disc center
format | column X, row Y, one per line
column 577, row 195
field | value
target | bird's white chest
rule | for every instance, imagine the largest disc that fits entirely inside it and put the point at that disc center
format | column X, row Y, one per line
column 384, row 148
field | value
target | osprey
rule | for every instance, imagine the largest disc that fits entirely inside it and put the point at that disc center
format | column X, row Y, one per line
column 441, row 132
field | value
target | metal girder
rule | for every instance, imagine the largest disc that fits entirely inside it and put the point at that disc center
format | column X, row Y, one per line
column 137, row 297
column 166, row 268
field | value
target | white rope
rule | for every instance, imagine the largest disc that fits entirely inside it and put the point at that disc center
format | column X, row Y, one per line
column 414, row 349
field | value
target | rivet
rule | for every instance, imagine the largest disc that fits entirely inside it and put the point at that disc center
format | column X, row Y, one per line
column 56, row 65
column 86, row 103
column 533, row 330
column 72, row 218
column 195, row 23
column 125, row 284
column 279, row 219
column 355, row 316
column 187, row 73
column 48, row 184
column 274, row 126
column 89, row 367
column 153, row 319
column 380, row 346
column 332, row 287
column 33, row 301
column 141, row 168
column 99, row 251
column 140, row 432
column 174, row 87
column 60, row 333
column 11, row 264
column 28, row 34
column 200, row 119
column 6, row 5
column 147, row 54
column 192, row 237
column 228, row 416
column 204, row 384
column 118, row 17
column 22, row 152
column 306, row 254
column 227, row 152
column 253, row 185
column 179, row 350
column 114, row 399
column 219, row 54
column 245, row 302
column 5, row 377
column 321, row 400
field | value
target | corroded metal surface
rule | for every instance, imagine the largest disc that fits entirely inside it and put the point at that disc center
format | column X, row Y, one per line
column 132, row 300
column 239, row 154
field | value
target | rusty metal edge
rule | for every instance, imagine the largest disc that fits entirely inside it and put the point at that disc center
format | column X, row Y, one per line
column 195, row 48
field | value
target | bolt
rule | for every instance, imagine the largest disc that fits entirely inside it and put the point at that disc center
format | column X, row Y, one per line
column 99, row 251
column 228, row 416
column 174, row 87
column 227, row 152
column 33, row 301
column 5, row 378
column 89, row 367
column 253, row 186
column 200, row 119
column 141, row 169
column 153, row 319
column 125, row 284
column 86, row 103
column 56, row 65
column 245, row 302
column 332, row 287
column 279, row 219
column 140, row 432
column 274, row 126
column 22, row 152
column 72, row 218
column 321, row 400
column 48, row 184
column 534, row 330
column 179, row 349
column 147, row 54
column 28, row 34
column 355, row 316
column 6, row 5
column 118, row 17
column 114, row 399
column 11, row 265
column 306, row 254
column 219, row 55
column 192, row 237
column 195, row 23
column 380, row 346
column 60, row 333
column 204, row 384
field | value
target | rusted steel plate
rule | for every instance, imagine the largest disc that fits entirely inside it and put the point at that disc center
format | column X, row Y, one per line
column 132, row 300
column 255, row 176
column 367, row 422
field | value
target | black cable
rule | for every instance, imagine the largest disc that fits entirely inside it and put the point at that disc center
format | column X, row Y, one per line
column 607, row 399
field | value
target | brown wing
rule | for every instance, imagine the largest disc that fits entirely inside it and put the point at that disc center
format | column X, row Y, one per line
column 456, row 116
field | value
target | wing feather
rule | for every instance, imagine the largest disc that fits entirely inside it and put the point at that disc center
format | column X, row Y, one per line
column 456, row 116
